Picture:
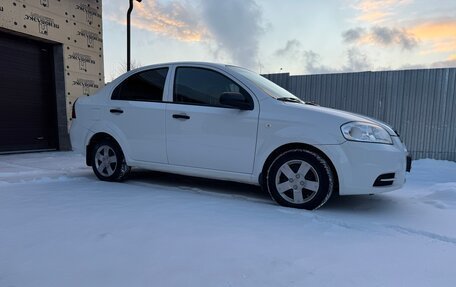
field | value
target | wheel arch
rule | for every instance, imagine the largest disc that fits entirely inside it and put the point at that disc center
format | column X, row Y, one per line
column 291, row 146
column 95, row 139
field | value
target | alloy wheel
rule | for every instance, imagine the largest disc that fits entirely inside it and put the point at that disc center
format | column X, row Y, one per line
column 297, row 181
column 105, row 160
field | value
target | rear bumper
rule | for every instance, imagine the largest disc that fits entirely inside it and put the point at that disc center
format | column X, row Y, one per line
column 360, row 165
column 78, row 136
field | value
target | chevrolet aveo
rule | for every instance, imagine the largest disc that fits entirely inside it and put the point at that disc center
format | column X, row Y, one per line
column 228, row 123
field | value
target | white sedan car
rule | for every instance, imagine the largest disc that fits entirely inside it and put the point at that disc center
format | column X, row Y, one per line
column 228, row 123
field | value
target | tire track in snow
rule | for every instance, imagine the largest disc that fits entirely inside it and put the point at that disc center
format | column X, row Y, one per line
column 373, row 228
column 395, row 228
column 422, row 233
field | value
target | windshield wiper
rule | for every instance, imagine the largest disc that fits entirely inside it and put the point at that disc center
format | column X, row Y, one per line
column 311, row 103
column 290, row 99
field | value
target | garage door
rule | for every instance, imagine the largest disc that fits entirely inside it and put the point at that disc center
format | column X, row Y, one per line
column 27, row 98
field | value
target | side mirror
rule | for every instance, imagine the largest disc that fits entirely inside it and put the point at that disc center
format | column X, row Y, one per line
column 236, row 100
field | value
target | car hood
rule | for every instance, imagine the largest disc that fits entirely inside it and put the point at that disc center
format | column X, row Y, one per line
column 340, row 116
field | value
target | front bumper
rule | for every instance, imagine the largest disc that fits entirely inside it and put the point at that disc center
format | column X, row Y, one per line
column 409, row 163
column 360, row 165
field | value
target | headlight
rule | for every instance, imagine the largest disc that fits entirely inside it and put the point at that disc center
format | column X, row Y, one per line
column 365, row 132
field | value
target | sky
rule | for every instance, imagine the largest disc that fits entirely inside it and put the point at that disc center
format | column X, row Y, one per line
column 296, row 36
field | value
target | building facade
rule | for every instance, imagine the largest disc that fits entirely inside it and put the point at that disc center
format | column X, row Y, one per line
column 51, row 52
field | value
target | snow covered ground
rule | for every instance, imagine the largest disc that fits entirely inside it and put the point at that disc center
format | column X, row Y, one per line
column 60, row 226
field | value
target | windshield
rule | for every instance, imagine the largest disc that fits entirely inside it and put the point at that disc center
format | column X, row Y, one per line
column 267, row 86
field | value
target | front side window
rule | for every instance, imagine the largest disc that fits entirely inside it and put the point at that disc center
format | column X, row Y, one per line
column 143, row 86
column 204, row 87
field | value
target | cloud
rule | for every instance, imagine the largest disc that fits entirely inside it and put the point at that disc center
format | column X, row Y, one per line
column 451, row 63
column 388, row 36
column 313, row 64
column 308, row 61
column 174, row 19
column 377, row 11
column 291, row 47
column 383, row 36
column 353, row 35
column 373, row 17
column 408, row 24
column 440, row 28
column 412, row 67
column 444, row 64
column 236, row 27
column 438, row 35
column 433, row 36
column 233, row 27
column 355, row 62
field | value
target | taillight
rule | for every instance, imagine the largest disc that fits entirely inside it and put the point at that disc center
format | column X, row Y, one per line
column 73, row 111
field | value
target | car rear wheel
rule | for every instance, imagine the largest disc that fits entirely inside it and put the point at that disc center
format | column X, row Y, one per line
column 300, row 179
column 108, row 161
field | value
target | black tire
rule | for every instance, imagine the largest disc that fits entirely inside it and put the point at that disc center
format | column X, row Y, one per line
column 108, row 161
column 304, row 178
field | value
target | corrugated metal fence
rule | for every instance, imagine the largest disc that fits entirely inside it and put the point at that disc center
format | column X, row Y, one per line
column 420, row 104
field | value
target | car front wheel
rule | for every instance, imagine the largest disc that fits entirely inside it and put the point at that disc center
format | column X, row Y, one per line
column 108, row 161
column 300, row 179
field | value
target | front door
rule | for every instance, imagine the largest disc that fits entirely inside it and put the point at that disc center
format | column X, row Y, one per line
column 201, row 132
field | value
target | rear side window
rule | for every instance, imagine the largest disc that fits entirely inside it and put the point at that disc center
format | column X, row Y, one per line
column 203, row 87
column 143, row 86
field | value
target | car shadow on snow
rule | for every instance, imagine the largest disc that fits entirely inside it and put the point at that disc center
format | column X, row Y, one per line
column 354, row 203
column 200, row 184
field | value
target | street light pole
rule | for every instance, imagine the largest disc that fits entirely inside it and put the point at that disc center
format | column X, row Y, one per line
column 130, row 8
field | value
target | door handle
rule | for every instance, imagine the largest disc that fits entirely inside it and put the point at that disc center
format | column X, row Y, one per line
column 116, row 111
column 181, row 116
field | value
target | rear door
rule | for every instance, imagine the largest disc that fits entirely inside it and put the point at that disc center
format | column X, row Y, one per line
column 201, row 132
column 138, row 111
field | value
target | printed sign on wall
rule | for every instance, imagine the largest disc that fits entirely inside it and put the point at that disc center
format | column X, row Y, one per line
column 91, row 13
column 43, row 23
column 44, row 3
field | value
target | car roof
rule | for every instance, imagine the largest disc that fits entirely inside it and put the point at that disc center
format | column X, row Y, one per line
column 210, row 64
